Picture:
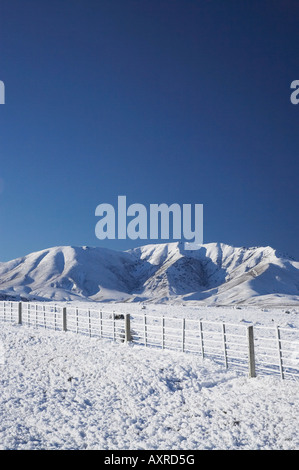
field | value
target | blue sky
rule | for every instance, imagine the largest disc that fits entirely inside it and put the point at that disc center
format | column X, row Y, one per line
column 160, row 100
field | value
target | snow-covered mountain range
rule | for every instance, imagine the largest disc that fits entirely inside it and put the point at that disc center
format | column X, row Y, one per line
column 214, row 274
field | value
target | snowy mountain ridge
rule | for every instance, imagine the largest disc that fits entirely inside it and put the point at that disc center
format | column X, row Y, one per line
column 216, row 273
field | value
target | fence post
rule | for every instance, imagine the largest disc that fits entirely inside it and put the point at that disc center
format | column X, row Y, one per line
column 89, row 323
column 251, row 356
column 36, row 308
column 64, row 319
column 77, row 320
column 145, row 330
column 183, row 334
column 127, row 328
column 279, row 352
column 20, row 313
column 201, row 338
column 101, row 323
column 113, row 316
column 224, row 344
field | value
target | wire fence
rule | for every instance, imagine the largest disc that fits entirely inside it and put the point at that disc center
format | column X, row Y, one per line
column 224, row 341
column 277, row 350
column 259, row 349
column 91, row 322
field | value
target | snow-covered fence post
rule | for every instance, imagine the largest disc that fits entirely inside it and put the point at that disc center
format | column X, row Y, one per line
column 89, row 323
column 145, row 330
column 224, row 345
column 77, row 320
column 101, row 323
column 183, row 334
column 113, row 319
column 127, row 328
column 163, row 332
column 201, row 338
column 251, row 356
column 36, row 314
column 64, row 319
column 279, row 352
column 20, row 313
column 45, row 319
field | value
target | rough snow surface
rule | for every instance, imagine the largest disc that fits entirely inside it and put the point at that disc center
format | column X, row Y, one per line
column 65, row 391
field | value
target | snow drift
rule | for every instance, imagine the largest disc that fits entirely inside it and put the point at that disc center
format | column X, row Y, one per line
column 70, row 392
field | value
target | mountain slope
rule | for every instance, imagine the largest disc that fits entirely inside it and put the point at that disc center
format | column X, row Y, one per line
column 67, row 273
column 216, row 273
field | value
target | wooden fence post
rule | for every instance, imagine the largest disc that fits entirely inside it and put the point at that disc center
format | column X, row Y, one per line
column 224, row 345
column 201, row 338
column 36, row 314
column 64, row 319
column 77, row 320
column 183, row 334
column 127, row 328
column 20, row 313
column 251, row 355
column 113, row 316
column 145, row 330
column 89, row 323
column 101, row 323
column 279, row 352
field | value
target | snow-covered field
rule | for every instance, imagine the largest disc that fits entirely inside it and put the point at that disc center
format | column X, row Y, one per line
column 65, row 391
column 266, row 316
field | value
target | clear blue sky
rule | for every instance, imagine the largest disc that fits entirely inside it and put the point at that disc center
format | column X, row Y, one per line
column 183, row 101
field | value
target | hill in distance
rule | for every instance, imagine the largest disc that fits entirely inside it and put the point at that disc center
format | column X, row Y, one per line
column 215, row 274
